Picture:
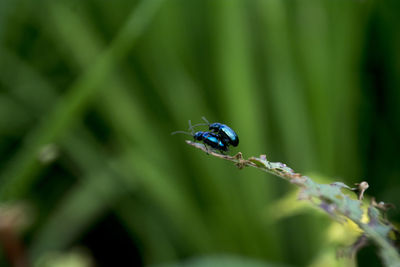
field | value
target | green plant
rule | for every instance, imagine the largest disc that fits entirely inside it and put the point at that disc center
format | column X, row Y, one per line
column 331, row 199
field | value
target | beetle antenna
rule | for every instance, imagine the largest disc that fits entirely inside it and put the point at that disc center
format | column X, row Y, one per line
column 182, row 132
column 191, row 127
column 199, row 124
column 204, row 119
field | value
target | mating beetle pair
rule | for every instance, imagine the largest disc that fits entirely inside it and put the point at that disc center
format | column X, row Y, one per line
column 220, row 137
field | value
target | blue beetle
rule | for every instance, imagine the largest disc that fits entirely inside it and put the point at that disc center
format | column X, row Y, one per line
column 211, row 139
column 225, row 132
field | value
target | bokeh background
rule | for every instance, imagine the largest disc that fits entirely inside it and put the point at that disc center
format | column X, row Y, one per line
column 91, row 90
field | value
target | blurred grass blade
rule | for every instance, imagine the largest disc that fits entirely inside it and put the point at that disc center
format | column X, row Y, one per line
column 242, row 100
column 18, row 178
column 78, row 209
column 286, row 91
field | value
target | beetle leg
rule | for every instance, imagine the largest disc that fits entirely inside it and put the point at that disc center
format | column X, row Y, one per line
column 207, row 150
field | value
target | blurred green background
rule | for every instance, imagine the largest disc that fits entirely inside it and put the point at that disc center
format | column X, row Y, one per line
column 91, row 90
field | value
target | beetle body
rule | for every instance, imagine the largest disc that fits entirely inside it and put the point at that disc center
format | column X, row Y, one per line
column 225, row 132
column 211, row 139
